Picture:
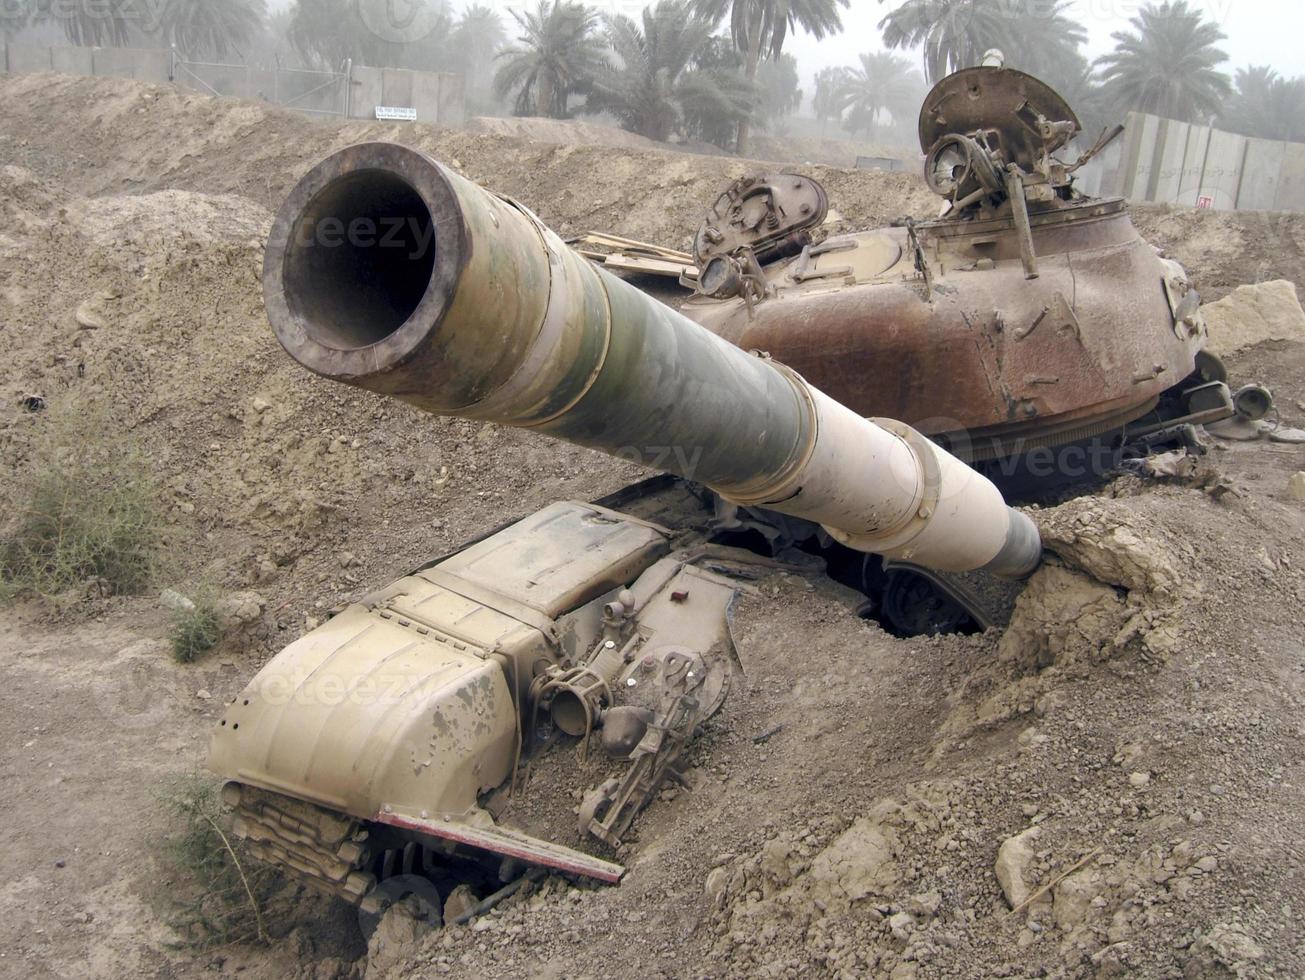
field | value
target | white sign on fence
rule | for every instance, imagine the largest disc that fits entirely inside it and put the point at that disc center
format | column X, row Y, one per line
column 385, row 113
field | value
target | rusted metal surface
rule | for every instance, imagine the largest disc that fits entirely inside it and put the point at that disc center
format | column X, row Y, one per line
column 992, row 355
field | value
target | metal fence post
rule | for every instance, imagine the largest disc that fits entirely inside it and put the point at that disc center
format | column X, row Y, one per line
column 348, row 88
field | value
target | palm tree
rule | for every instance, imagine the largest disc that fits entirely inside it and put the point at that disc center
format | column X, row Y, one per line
column 272, row 45
column 556, row 55
column 213, row 27
column 435, row 49
column 780, row 87
column 759, row 29
column 327, row 32
column 1167, row 65
column 1076, row 81
column 477, row 38
column 827, row 103
column 714, row 95
column 955, row 34
column 653, row 74
column 1044, row 39
column 1266, row 105
column 885, row 83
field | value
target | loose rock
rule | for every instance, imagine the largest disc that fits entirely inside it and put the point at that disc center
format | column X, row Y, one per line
column 1253, row 314
column 1014, row 858
column 1296, row 486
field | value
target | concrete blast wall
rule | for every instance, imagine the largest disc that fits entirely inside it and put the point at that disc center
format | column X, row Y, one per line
column 24, row 58
column 1174, row 162
column 146, row 64
column 142, row 64
column 437, row 97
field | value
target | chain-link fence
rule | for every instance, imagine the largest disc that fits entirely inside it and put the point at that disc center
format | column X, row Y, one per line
column 324, row 93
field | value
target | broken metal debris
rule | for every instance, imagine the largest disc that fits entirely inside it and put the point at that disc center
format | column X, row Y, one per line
column 634, row 257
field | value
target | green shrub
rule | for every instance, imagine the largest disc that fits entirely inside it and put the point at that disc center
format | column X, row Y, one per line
column 195, row 631
column 84, row 507
column 219, row 894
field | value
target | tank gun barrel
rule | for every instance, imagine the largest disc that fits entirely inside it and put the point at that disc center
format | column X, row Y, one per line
column 387, row 271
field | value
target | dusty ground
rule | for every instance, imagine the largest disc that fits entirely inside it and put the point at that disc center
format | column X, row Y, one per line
column 1143, row 712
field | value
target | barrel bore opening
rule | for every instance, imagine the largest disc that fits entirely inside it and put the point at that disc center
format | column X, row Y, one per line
column 359, row 260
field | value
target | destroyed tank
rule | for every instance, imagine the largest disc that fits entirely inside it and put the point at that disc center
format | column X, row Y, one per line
column 383, row 744
column 1026, row 317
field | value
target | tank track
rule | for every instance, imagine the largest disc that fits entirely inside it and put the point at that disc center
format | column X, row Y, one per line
column 327, row 850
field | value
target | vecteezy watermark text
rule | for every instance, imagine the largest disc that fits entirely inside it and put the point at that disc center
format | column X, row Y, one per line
column 413, row 235
column 146, row 15
column 401, row 21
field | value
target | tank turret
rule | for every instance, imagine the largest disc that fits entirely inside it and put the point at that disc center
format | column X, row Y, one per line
column 1027, row 316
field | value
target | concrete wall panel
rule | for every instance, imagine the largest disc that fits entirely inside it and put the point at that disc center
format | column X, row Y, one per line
column 21, row 58
column 396, row 88
column 144, row 64
column 1170, row 161
column 72, row 61
column 453, row 99
column 1198, row 145
column 1111, row 162
column 1221, row 180
column 1139, row 155
column 1260, row 175
column 368, row 91
column 1291, row 179
column 426, row 96
column 1178, row 163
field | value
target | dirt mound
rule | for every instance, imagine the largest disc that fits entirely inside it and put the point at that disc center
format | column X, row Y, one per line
column 1126, row 755
column 224, row 146
column 565, row 131
column 785, row 150
column 1227, row 249
column 831, row 152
